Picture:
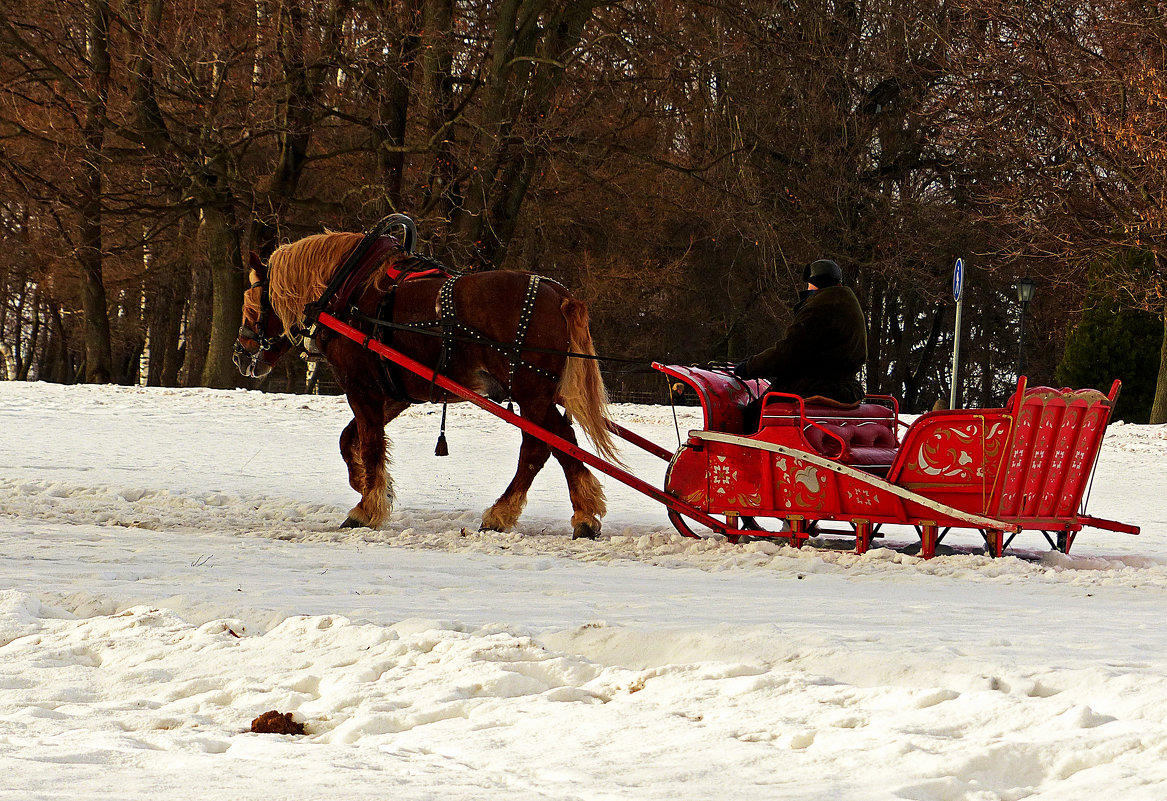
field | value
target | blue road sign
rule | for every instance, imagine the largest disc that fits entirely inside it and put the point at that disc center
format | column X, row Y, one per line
column 957, row 285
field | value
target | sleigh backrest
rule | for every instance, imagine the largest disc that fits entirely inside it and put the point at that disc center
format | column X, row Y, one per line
column 1057, row 435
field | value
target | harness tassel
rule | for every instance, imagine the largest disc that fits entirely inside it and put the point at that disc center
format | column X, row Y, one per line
column 442, row 449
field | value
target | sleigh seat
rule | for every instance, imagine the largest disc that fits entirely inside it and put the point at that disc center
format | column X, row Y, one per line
column 862, row 435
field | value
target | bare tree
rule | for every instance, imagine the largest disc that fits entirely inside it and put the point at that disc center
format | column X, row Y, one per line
column 59, row 57
column 1077, row 90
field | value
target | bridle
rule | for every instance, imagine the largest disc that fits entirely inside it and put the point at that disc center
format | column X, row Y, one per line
column 302, row 334
column 258, row 334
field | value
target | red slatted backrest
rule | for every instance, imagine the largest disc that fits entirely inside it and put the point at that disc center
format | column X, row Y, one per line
column 1055, row 442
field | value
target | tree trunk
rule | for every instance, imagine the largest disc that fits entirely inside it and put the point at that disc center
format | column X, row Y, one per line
column 875, row 322
column 393, row 107
column 198, row 324
column 226, row 260
column 916, row 377
column 1159, row 407
column 526, row 67
column 34, row 334
column 53, row 364
column 296, row 112
column 437, row 64
column 173, row 289
column 17, row 352
column 168, row 284
column 130, row 366
column 5, row 291
column 98, row 349
column 7, row 363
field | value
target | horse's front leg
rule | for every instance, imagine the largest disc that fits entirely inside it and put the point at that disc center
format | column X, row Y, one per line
column 370, row 448
column 352, row 456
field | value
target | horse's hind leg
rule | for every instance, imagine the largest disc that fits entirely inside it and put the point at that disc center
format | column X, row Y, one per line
column 587, row 495
column 506, row 510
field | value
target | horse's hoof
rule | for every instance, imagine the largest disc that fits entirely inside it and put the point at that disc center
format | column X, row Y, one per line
column 584, row 531
column 494, row 521
column 352, row 522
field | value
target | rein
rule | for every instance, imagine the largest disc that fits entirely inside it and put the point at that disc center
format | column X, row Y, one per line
column 430, row 330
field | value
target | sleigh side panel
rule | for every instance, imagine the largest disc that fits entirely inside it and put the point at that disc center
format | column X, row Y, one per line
column 955, row 457
column 732, row 475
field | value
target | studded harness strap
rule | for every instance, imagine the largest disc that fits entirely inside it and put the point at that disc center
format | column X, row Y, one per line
column 451, row 326
column 521, row 331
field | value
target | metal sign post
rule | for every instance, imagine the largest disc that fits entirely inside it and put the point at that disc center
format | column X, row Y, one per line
column 957, row 286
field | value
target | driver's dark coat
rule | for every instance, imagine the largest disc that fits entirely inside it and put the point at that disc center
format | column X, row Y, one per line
column 823, row 350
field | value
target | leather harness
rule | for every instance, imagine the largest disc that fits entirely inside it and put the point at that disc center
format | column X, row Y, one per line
column 447, row 322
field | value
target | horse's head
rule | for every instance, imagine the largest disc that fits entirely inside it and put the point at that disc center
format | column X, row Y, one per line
column 261, row 339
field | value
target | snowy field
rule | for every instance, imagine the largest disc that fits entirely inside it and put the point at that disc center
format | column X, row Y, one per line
column 172, row 568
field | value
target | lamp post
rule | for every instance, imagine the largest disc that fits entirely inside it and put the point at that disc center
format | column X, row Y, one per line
column 1025, row 290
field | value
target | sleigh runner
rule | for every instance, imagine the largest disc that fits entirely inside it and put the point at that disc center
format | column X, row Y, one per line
column 1024, row 467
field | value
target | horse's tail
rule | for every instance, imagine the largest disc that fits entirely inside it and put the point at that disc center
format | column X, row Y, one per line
column 581, row 388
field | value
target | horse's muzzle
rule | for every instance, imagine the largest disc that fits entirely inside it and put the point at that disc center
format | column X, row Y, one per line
column 250, row 365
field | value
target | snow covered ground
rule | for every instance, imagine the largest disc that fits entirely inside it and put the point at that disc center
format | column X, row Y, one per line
column 171, row 568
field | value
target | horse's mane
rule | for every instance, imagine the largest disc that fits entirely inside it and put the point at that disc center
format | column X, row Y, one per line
column 299, row 272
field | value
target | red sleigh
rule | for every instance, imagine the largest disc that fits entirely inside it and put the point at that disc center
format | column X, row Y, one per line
column 1024, row 467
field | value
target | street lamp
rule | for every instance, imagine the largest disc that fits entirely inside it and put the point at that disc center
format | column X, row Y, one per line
column 1025, row 290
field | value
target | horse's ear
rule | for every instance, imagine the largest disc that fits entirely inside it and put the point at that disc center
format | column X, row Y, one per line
column 256, row 263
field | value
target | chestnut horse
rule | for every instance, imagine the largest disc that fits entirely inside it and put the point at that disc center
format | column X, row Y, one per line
column 493, row 305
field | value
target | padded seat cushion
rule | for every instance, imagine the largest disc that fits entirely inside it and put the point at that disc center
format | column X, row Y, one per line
column 867, row 430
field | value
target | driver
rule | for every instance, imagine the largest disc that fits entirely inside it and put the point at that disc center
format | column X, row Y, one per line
column 824, row 347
